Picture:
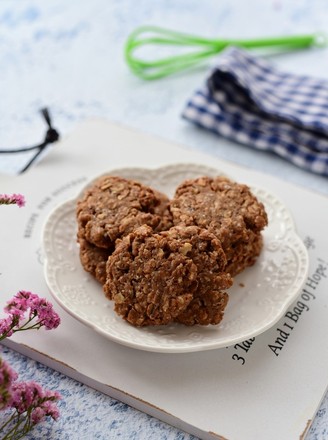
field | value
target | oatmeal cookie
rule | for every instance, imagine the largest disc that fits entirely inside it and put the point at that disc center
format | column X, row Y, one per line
column 94, row 259
column 229, row 210
column 150, row 280
column 205, row 250
column 113, row 207
column 175, row 275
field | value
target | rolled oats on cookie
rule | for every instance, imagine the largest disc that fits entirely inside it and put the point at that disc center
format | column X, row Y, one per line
column 175, row 275
column 149, row 279
column 210, row 298
column 229, row 210
column 113, row 207
column 93, row 259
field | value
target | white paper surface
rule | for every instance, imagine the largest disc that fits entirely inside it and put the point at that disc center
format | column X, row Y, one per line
column 268, row 388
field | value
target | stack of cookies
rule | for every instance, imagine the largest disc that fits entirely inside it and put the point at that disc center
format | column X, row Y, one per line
column 162, row 260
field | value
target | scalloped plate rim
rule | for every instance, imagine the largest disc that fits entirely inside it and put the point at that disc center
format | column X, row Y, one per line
column 185, row 347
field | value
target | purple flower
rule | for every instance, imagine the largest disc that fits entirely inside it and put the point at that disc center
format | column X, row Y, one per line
column 43, row 309
column 21, row 302
column 7, row 377
column 12, row 199
column 37, row 312
column 28, row 402
column 7, row 326
column 27, row 405
column 46, row 408
column 25, row 395
column 30, row 397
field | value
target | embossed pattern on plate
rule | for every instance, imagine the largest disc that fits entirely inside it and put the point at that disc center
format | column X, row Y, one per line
column 258, row 299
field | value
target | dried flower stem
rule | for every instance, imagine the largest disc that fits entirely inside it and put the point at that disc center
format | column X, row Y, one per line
column 13, row 199
column 30, row 402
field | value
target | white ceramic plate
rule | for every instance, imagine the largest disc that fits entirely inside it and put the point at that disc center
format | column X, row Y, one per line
column 258, row 299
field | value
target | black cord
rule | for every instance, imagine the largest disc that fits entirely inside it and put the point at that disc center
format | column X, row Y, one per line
column 51, row 136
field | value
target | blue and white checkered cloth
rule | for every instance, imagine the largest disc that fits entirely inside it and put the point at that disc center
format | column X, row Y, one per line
column 248, row 100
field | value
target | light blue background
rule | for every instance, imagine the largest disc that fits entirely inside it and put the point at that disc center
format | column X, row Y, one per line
column 68, row 56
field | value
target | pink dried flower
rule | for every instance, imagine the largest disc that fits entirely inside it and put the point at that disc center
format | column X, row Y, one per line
column 12, row 199
column 7, row 326
column 7, row 377
column 40, row 314
column 43, row 309
column 21, row 301
column 31, row 405
column 47, row 407
column 30, row 402
column 30, row 396
column 25, row 395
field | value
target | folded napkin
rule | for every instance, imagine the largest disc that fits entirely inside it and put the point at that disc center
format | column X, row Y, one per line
column 248, row 100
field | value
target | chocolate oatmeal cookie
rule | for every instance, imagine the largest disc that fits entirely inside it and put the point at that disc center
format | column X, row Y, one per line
column 149, row 278
column 229, row 210
column 205, row 250
column 113, row 207
column 94, row 259
column 175, row 275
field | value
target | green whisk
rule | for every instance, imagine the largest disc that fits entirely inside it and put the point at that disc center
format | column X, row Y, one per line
column 202, row 48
